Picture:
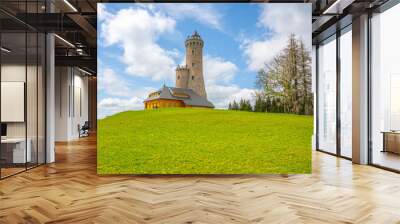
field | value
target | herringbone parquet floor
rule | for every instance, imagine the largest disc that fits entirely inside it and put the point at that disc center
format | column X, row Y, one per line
column 69, row 191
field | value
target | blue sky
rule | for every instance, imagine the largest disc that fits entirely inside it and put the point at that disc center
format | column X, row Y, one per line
column 140, row 45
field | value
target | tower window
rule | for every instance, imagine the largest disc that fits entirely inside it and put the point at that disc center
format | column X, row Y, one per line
column 192, row 52
column 179, row 77
column 192, row 64
column 192, row 77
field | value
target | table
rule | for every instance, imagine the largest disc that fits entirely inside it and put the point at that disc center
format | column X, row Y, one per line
column 16, row 147
column 391, row 141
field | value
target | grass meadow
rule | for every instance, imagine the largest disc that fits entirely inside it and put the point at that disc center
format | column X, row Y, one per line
column 203, row 141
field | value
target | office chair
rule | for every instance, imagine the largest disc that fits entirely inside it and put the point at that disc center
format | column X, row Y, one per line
column 84, row 130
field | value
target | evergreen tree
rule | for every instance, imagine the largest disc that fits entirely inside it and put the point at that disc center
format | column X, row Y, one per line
column 248, row 106
column 235, row 105
column 259, row 103
column 242, row 105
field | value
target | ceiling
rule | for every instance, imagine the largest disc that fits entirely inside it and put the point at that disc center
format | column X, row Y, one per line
column 330, row 15
column 74, row 23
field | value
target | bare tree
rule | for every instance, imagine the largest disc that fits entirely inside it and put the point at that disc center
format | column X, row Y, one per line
column 285, row 81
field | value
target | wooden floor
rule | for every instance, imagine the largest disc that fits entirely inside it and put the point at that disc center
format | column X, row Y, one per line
column 387, row 159
column 69, row 191
column 5, row 172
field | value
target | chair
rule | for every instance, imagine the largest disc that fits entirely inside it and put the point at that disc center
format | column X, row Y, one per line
column 84, row 130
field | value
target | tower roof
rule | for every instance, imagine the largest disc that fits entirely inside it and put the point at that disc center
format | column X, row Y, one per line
column 195, row 35
column 188, row 96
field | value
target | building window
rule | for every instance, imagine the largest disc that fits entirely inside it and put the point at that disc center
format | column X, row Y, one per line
column 345, row 83
column 192, row 77
column 327, row 95
column 385, row 89
column 192, row 52
column 192, row 64
column 179, row 77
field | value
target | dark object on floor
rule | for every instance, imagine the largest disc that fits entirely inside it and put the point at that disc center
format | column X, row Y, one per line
column 84, row 130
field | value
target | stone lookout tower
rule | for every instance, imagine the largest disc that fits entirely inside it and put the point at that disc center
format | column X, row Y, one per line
column 190, row 76
column 189, row 90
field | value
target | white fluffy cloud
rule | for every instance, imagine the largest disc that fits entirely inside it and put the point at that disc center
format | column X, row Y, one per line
column 102, row 13
column 142, row 55
column 280, row 20
column 218, row 74
column 114, row 104
column 202, row 13
column 108, row 106
column 112, row 84
column 287, row 18
column 222, row 95
column 120, row 94
column 217, row 69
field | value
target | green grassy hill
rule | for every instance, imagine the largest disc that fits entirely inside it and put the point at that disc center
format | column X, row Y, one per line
column 202, row 141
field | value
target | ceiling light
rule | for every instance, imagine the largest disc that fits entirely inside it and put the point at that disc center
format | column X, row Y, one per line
column 338, row 6
column 80, row 51
column 84, row 71
column 5, row 50
column 70, row 5
column 64, row 40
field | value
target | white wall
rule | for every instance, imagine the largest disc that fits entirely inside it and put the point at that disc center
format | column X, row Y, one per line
column 62, row 82
column 71, row 94
column 14, row 73
column 17, row 73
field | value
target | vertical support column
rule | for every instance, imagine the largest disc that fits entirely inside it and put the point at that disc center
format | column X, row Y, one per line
column 338, row 98
column 360, row 89
column 50, row 92
column 50, row 99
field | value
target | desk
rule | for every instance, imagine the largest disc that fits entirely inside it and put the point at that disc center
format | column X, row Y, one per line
column 391, row 141
column 16, row 148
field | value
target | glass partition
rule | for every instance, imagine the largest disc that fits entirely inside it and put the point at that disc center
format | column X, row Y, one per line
column 327, row 95
column 13, row 94
column 22, row 77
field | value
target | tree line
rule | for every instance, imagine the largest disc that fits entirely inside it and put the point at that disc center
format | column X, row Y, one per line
column 243, row 105
column 284, row 84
